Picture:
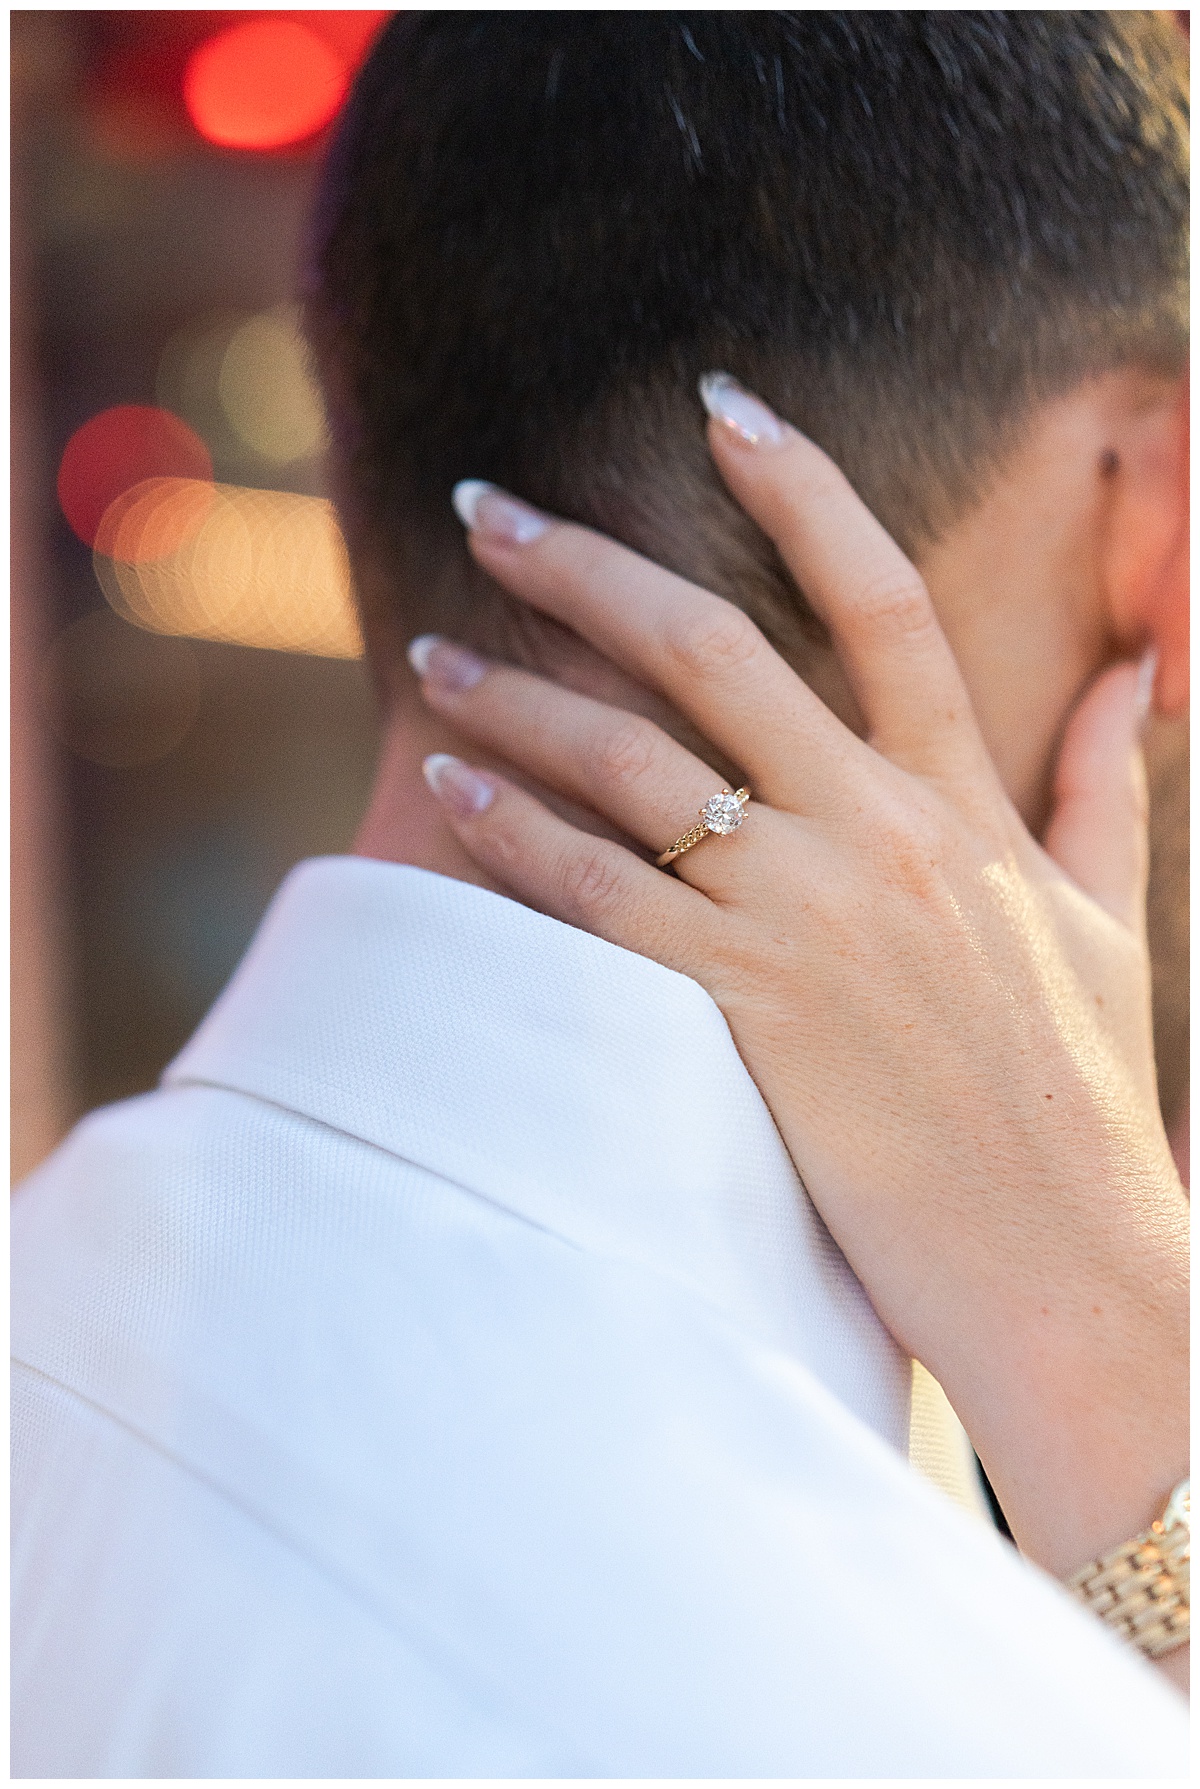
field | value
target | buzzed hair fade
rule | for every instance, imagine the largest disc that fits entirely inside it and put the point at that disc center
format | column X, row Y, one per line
column 905, row 229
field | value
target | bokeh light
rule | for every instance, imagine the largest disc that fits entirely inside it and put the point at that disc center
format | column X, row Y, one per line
column 253, row 568
column 154, row 519
column 264, row 84
column 118, row 449
column 349, row 32
column 267, row 391
column 116, row 695
column 189, row 372
column 242, row 380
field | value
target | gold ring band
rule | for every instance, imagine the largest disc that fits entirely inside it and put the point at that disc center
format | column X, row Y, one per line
column 722, row 813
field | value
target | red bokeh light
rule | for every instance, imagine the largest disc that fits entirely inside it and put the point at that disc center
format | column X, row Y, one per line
column 133, row 97
column 264, row 84
column 350, row 34
column 118, row 449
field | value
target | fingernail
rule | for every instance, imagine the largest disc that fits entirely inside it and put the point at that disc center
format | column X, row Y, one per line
column 744, row 416
column 462, row 789
column 440, row 661
column 1143, row 697
column 489, row 511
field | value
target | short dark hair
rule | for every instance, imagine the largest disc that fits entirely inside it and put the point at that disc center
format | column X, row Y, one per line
column 537, row 229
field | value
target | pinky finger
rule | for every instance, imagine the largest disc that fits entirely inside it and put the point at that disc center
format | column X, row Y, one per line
column 587, row 882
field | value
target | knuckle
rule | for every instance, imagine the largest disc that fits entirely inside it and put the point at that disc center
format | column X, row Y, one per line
column 627, row 753
column 913, row 853
column 505, row 843
column 718, row 640
column 590, row 881
column 897, row 604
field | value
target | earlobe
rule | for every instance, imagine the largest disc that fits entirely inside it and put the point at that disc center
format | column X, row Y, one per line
column 1146, row 537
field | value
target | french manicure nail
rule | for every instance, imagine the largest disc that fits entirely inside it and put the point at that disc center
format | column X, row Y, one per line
column 1143, row 697
column 744, row 416
column 440, row 661
column 462, row 789
column 421, row 650
column 489, row 511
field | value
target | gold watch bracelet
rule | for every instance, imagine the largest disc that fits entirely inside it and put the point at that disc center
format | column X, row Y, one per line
column 1142, row 1590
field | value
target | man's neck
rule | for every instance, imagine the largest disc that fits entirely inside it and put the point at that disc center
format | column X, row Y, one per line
column 403, row 823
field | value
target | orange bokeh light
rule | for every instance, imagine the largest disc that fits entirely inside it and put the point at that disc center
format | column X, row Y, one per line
column 264, row 84
column 153, row 519
column 222, row 562
column 118, row 449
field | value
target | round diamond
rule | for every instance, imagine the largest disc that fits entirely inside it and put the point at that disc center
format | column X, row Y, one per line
column 723, row 812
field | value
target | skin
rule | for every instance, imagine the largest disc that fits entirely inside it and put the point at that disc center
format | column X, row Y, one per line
column 979, row 1127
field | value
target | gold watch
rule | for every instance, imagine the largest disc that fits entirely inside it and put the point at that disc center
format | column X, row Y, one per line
column 1143, row 1589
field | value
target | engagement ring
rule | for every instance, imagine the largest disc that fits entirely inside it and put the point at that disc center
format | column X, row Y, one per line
column 722, row 813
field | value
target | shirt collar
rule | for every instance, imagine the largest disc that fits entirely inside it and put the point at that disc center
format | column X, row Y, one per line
column 585, row 1089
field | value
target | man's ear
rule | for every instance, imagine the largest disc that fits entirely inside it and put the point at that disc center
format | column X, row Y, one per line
column 1146, row 537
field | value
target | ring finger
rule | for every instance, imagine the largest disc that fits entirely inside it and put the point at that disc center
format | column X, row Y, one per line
column 617, row 764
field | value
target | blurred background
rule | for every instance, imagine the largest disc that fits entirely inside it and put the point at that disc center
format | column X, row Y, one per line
column 190, row 715
column 167, row 466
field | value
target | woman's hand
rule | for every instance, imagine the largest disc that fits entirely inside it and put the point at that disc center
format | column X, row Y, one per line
column 949, row 1023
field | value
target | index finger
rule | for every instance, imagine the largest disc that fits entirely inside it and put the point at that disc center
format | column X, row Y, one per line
column 869, row 594
column 698, row 650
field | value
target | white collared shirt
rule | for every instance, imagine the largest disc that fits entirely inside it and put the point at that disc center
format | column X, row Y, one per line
column 445, row 1374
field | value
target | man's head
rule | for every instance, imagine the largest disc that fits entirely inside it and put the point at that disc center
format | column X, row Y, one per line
column 907, row 230
column 917, row 234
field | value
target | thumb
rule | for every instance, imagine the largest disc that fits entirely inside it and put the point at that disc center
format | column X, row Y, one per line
column 1097, row 831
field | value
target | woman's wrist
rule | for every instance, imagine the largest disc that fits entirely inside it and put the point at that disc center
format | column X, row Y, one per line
column 1047, row 1293
column 1081, row 1417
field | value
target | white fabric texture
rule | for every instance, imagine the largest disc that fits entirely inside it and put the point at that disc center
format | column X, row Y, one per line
column 445, row 1374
